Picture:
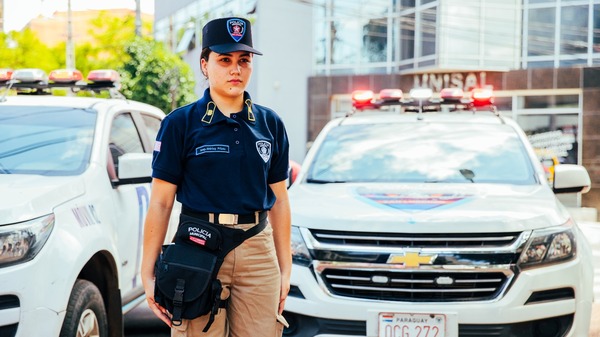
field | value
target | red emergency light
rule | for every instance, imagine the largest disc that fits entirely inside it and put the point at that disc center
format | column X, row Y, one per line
column 362, row 98
column 482, row 96
column 5, row 75
column 103, row 75
column 65, row 76
column 452, row 94
column 390, row 94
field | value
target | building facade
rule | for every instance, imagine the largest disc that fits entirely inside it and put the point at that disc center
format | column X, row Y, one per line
column 540, row 56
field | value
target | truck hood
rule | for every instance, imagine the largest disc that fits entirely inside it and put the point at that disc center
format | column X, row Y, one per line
column 24, row 197
column 425, row 208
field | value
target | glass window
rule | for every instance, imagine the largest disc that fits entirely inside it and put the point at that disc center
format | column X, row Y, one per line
column 422, row 152
column 152, row 126
column 552, row 135
column 596, row 36
column 345, row 40
column 407, row 4
column 375, row 40
column 540, row 40
column 124, row 138
column 428, row 31
column 49, row 141
column 541, row 1
column 321, row 42
column 574, row 30
column 540, row 64
column 549, row 101
column 407, row 37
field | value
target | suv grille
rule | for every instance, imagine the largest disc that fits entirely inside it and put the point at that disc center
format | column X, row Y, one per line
column 414, row 286
column 429, row 240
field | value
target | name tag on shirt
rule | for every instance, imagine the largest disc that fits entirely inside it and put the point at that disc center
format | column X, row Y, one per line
column 217, row 148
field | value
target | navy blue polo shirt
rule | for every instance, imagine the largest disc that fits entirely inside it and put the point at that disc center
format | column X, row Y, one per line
column 222, row 164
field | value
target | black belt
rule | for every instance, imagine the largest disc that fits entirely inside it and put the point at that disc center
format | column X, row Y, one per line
column 227, row 218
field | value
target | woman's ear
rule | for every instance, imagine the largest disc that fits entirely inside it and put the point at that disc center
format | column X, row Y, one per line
column 203, row 68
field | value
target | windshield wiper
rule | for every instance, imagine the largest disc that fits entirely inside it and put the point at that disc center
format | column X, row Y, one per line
column 320, row 181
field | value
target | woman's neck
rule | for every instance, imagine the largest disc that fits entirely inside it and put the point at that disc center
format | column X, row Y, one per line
column 228, row 105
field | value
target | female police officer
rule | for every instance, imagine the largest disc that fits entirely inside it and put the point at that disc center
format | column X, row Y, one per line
column 225, row 158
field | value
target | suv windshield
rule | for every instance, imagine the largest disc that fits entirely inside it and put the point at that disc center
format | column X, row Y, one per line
column 422, row 152
column 45, row 140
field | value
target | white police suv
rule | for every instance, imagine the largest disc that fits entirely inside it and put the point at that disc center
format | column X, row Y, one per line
column 74, row 189
column 428, row 217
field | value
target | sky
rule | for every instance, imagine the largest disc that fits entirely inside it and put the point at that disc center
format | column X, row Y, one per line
column 17, row 13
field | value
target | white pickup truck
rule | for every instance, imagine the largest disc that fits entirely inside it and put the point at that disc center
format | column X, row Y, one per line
column 409, row 221
column 74, row 190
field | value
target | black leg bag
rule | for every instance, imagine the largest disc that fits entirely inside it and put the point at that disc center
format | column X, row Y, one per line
column 186, row 271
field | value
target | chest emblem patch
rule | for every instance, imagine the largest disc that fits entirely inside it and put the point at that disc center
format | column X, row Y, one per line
column 264, row 149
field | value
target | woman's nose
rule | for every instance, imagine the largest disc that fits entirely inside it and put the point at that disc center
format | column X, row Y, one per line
column 236, row 69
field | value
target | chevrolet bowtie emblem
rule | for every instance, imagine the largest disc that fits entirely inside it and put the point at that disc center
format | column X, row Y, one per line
column 411, row 259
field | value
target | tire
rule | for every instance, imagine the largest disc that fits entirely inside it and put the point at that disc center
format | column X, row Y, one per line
column 86, row 314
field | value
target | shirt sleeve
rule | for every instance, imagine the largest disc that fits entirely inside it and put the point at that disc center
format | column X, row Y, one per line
column 280, row 162
column 167, row 161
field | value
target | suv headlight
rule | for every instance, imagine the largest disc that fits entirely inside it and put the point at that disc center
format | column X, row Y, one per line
column 300, row 253
column 549, row 245
column 22, row 241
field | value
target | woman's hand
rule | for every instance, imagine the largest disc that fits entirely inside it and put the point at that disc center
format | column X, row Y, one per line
column 159, row 311
column 283, row 293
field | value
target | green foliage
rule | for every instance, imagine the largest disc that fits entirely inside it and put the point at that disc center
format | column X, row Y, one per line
column 25, row 50
column 156, row 76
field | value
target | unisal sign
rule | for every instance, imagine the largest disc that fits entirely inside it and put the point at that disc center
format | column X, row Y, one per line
column 439, row 81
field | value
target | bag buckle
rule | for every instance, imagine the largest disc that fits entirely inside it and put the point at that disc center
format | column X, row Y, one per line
column 179, row 289
column 228, row 219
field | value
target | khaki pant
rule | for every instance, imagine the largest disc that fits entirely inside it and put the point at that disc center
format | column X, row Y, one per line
column 251, row 280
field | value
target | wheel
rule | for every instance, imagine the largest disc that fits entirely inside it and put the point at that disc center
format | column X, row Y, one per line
column 86, row 315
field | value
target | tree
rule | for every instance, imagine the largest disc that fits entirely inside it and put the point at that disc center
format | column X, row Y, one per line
column 156, row 76
column 25, row 50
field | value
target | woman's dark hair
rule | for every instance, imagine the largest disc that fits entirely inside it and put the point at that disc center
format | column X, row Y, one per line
column 204, row 54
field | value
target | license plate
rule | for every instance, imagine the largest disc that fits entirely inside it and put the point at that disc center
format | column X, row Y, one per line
column 411, row 325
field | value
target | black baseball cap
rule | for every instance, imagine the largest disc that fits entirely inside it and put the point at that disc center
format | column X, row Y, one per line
column 226, row 35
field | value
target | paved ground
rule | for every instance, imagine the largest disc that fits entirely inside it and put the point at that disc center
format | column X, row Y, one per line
column 141, row 322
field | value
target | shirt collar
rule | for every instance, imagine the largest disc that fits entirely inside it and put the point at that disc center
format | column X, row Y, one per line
column 211, row 114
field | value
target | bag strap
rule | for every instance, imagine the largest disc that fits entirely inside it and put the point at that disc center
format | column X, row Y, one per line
column 233, row 237
column 217, row 303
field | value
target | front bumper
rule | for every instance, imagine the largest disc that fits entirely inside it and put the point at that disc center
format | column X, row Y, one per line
column 536, row 301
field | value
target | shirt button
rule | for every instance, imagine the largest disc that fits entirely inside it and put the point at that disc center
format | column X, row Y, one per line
column 234, row 116
column 235, row 129
column 237, row 141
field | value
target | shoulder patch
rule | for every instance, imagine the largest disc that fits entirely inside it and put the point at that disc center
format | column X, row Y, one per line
column 264, row 149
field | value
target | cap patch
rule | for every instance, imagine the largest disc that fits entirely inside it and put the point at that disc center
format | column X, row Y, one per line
column 236, row 29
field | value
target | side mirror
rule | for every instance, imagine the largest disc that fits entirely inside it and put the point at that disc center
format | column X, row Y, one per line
column 569, row 178
column 134, row 168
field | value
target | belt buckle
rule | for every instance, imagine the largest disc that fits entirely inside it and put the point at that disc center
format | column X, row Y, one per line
column 228, row 219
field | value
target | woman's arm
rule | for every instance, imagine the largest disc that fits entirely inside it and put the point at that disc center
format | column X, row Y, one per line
column 155, row 229
column 280, row 219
